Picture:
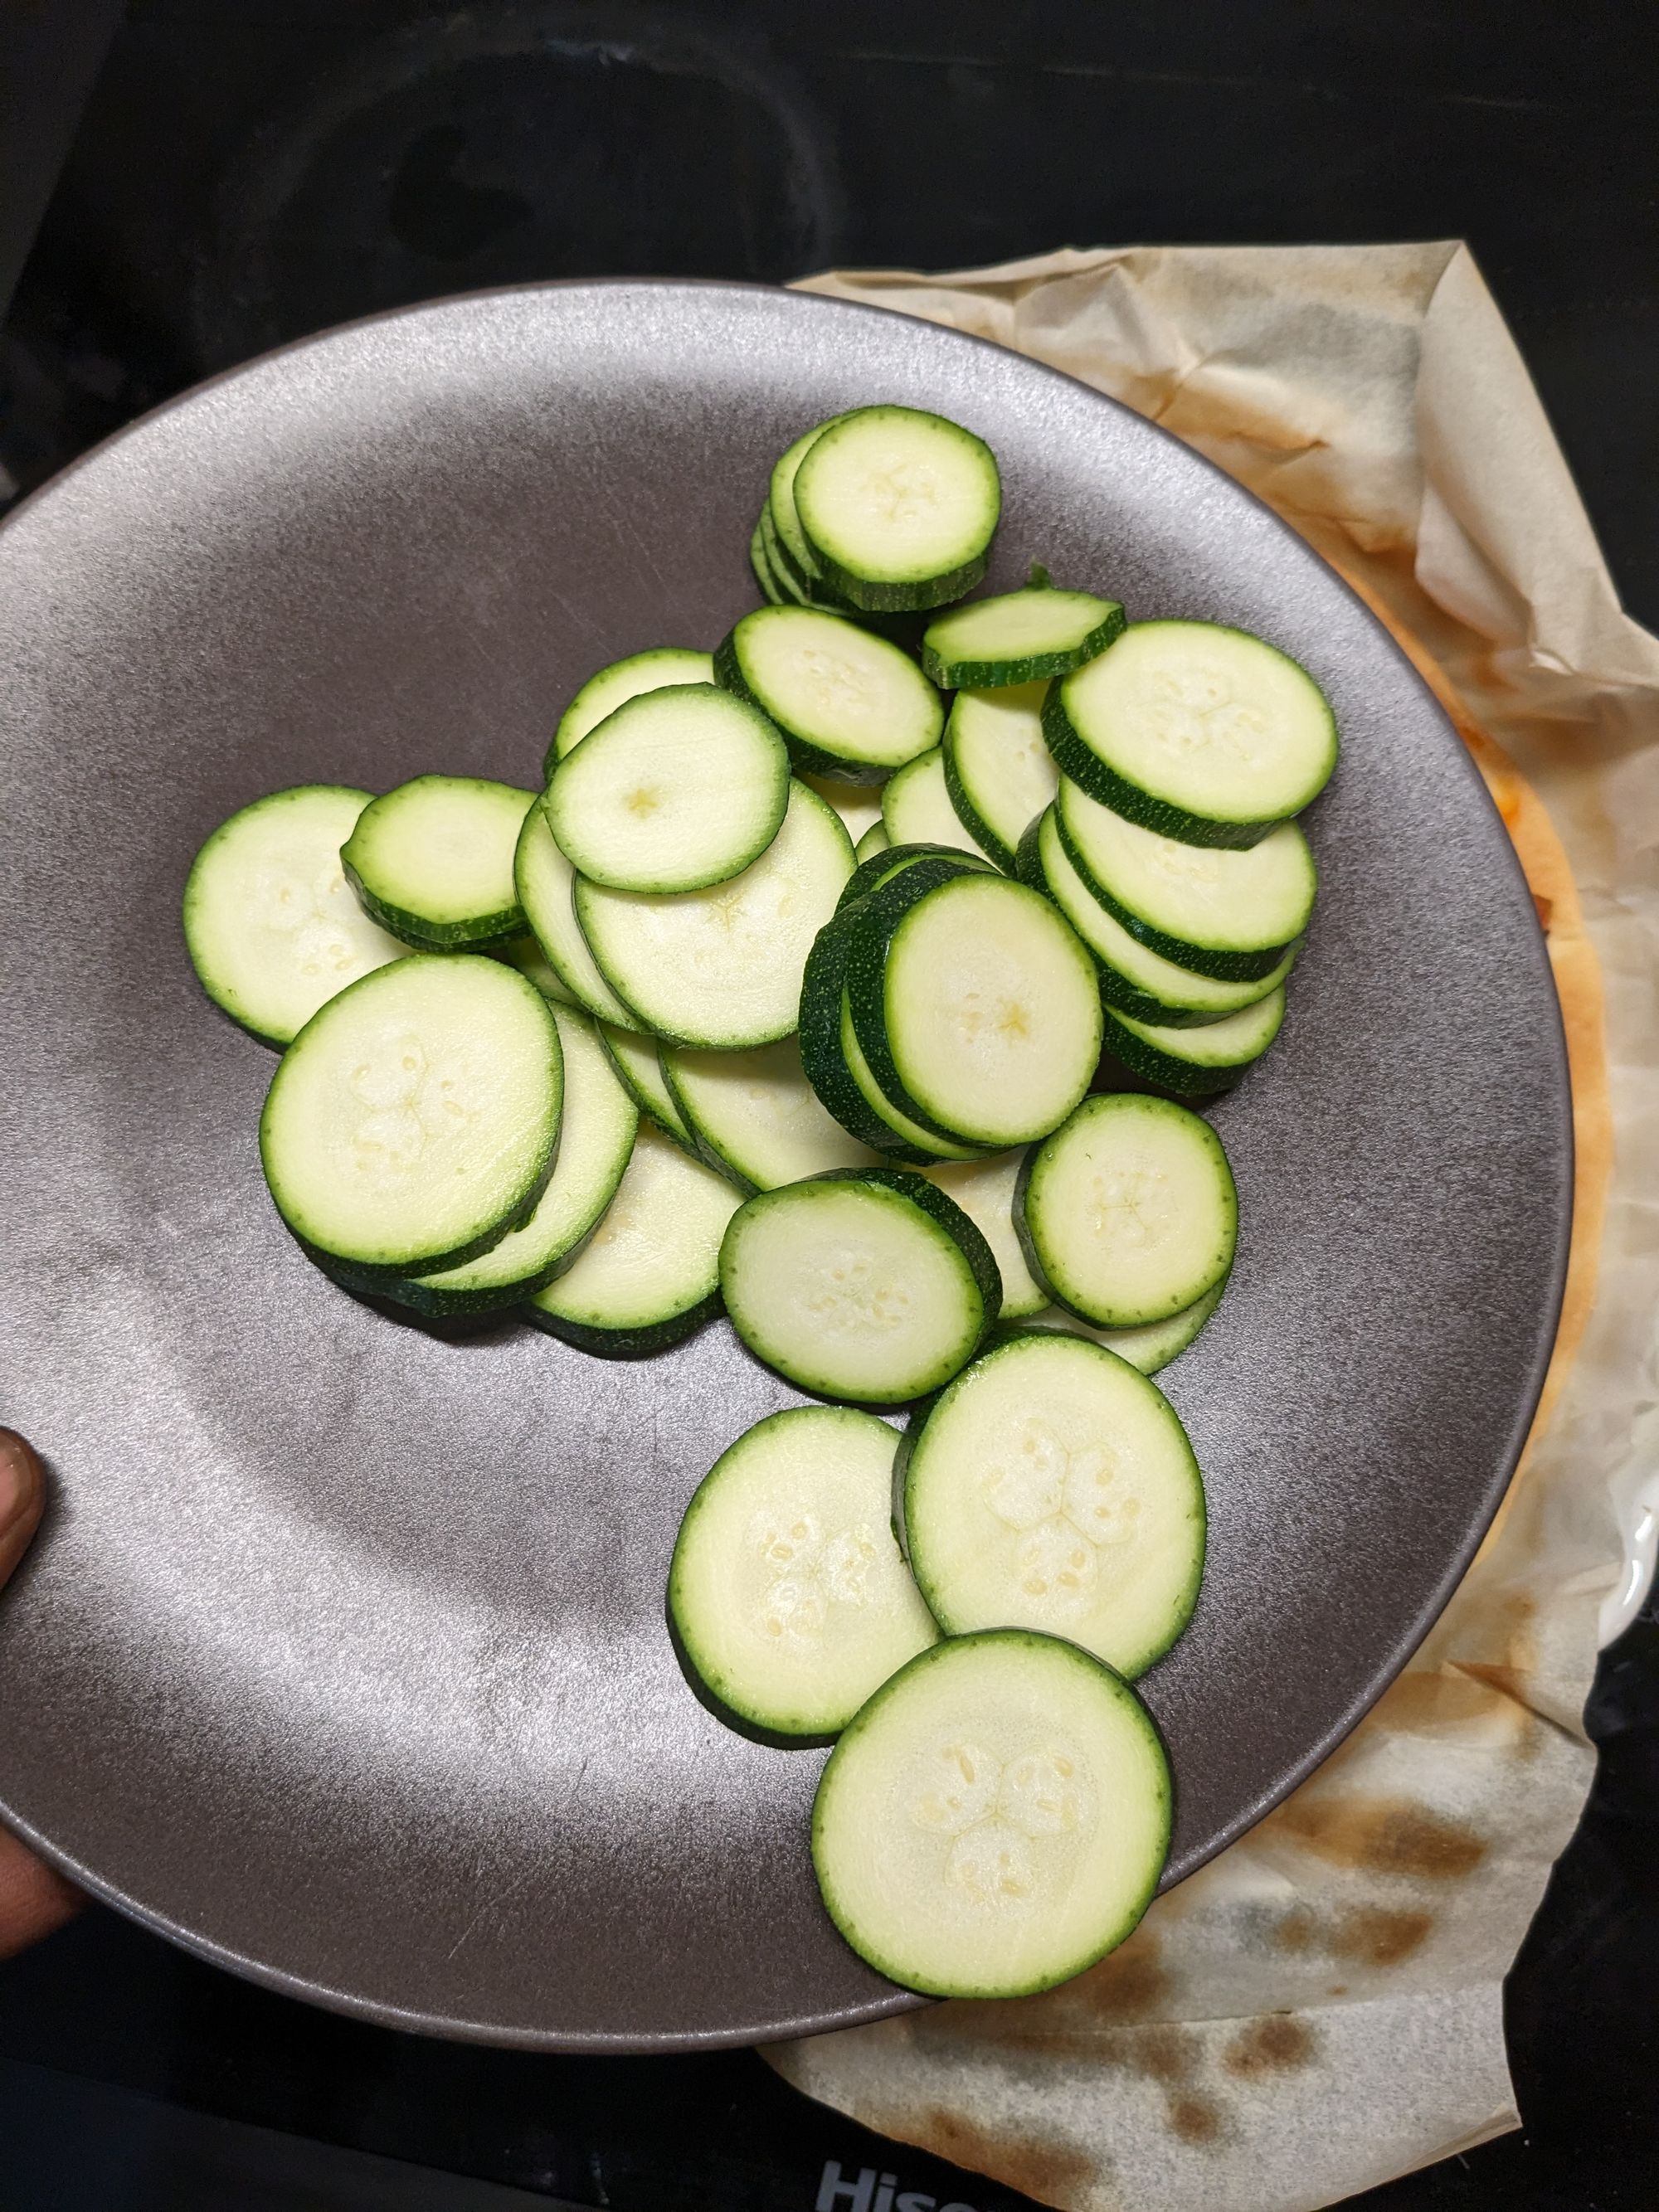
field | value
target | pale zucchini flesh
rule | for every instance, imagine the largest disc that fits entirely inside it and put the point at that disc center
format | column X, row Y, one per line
column 623, row 680
column 1150, row 1349
column 545, row 881
column 638, row 1064
column 1201, row 733
column 916, row 809
column 995, row 1819
column 787, row 1591
column 867, row 1284
column 675, row 791
column 999, row 773
column 755, row 1116
column 273, row 929
column 433, row 861
column 649, row 1274
column 1129, row 1213
column 985, row 1190
column 1052, row 1486
column 412, row 1121
column 722, row 968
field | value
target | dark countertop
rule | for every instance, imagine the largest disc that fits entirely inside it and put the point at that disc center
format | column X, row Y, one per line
column 240, row 176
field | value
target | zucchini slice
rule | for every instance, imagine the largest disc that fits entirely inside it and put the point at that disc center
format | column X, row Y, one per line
column 898, row 507
column 614, row 685
column 412, row 1121
column 1198, row 731
column 637, row 1063
column 675, row 791
column 866, row 1284
column 798, row 564
column 649, row 1274
column 889, row 861
column 1150, row 1349
column 755, row 1116
column 760, row 561
column 975, row 1003
column 984, row 1190
column 875, row 840
column 787, row 1592
column 722, row 968
column 916, row 809
column 1052, row 1486
column 859, row 805
column 1129, row 1213
column 1196, row 1062
column 525, row 953
column 999, row 773
column 1019, row 637
column 545, row 881
column 432, row 861
column 1231, row 915
column 995, row 1819
column 271, row 926
column 1133, row 979
column 596, row 1129
column 849, row 704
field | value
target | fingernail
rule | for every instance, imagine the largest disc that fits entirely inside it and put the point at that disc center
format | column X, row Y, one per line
column 19, row 1478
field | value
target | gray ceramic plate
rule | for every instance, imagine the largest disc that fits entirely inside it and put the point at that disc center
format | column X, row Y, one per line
column 343, row 1659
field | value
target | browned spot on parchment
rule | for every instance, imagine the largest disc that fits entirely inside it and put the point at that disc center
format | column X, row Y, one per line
column 1045, row 2169
column 1195, row 2119
column 1381, row 1835
column 1166, row 2054
column 1298, row 1931
column 1129, row 1983
column 1372, row 1936
column 1274, row 2044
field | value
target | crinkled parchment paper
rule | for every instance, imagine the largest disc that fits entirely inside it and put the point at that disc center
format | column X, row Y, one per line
column 1319, row 2008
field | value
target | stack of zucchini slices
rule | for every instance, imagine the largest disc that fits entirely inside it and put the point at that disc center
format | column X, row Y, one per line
column 655, row 1041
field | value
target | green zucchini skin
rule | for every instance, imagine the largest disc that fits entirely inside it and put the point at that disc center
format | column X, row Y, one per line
column 489, row 933
column 873, row 924
column 873, row 873
column 961, row 675
column 1086, row 769
column 1028, row 861
column 759, row 561
column 820, row 1045
column 627, row 1343
column 1006, row 856
column 964, row 1233
column 1204, row 960
column 1181, row 1078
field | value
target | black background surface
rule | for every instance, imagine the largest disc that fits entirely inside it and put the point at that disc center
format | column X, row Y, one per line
column 243, row 175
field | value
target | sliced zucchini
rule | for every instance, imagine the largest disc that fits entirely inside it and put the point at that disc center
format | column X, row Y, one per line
column 916, row 809
column 984, row 1190
column 1128, row 1213
column 849, row 704
column 999, row 773
column 722, row 968
column 1019, row 637
column 898, row 507
column 878, row 868
column 545, row 880
column 1133, row 979
column 787, row 1592
column 614, row 686
column 1150, row 1349
column 1052, row 1486
column 1196, row 1062
column 1232, row 915
column 859, row 805
column 412, row 1121
column 798, row 562
column 760, row 561
column 432, row 861
column 910, row 1140
column 755, row 1116
column 874, row 840
column 525, row 953
column 976, row 1004
column 638, row 1066
column 677, row 790
column 650, row 1273
column 596, row 1129
column 995, row 1819
column 1196, row 731
column 271, row 923
column 866, row 1284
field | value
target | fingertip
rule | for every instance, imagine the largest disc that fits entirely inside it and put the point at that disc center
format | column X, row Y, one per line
column 23, row 1496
